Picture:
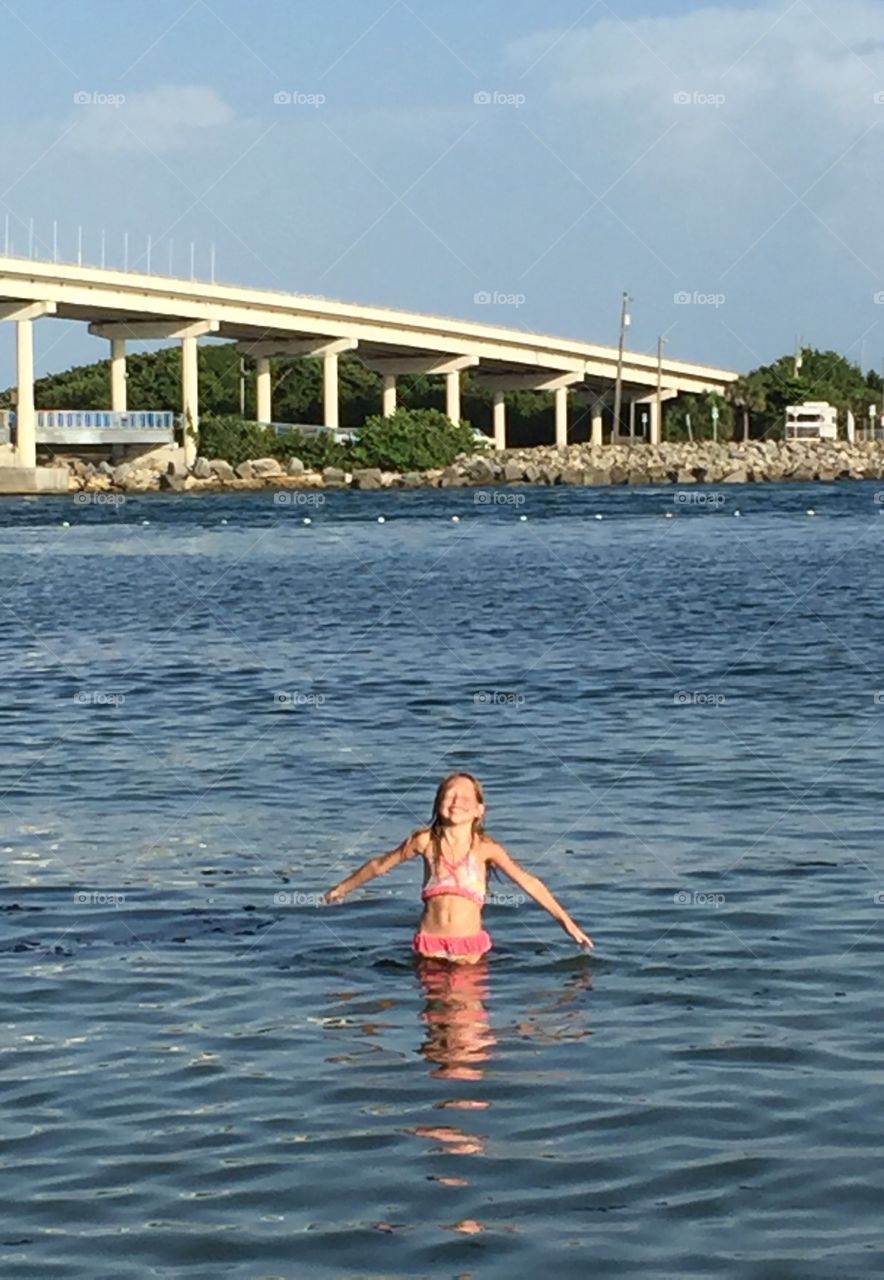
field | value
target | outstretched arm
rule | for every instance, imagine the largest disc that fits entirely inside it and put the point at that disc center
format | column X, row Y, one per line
column 378, row 866
column 536, row 889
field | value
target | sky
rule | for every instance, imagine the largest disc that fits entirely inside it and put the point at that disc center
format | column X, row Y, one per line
column 507, row 161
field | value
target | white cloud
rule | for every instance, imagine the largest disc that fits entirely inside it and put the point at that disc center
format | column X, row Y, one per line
column 161, row 119
column 763, row 182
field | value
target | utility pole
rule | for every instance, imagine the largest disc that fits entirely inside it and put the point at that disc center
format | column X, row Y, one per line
column 625, row 321
column 242, row 387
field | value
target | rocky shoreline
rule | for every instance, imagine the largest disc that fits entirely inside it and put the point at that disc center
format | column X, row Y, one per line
column 578, row 464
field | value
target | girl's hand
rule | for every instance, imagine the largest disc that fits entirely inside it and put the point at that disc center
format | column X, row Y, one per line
column 582, row 939
column 334, row 895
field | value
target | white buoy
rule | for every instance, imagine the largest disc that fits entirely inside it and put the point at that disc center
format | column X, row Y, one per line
column 668, row 515
column 306, row 520
column 381, row 520
column 224, row 522
column 455, row 519
column 810, row 512
column 145, row 522
column 737, row 513
column 523, row 517
column 599, row 516
column 65, row 524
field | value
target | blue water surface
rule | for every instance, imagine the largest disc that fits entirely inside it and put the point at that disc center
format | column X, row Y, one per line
column 212, row 710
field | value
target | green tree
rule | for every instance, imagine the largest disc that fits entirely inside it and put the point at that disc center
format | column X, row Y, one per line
column 412, row 440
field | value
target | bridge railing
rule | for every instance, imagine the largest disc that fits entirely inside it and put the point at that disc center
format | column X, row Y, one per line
column 106, row 419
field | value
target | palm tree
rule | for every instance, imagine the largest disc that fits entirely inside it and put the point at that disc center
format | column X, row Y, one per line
column 749, row 395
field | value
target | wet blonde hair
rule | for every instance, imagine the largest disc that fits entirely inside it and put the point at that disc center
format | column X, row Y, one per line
column 436, row 828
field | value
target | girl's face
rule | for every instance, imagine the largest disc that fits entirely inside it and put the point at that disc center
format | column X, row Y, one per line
column 460, row 803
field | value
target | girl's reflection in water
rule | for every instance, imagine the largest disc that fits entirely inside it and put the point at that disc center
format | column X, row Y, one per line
column 458, row 1034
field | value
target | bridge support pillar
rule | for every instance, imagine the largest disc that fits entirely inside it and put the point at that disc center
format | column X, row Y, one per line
column 452, row 396
column 188, row 331
column 263, row 395
column 561, row 394
column 653, row 406
column 597, row 427
column 118, row 375
column 389, row 394
column 499, row 420
column 330, row 389
column 25, row 417
column 190, row 406
column 554, row 380
column 392, row 367
column 24, row 314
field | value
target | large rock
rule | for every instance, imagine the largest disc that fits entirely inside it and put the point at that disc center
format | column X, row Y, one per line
column 106, row 469
column 597, row 476
column 368, row 478
column 531, row 473
column 737, row 476
column 202, row 469
column 221, row 469
column 334, row 477
column 513, row 471
column 120, row 474
column 572, row 475
column 176, row 469
column 413, row 480
column 177, row 484
column 619, row 475
column 450, row 478
column 481, row 471
column 295, row 467
column 244, row 471
column 266, row 467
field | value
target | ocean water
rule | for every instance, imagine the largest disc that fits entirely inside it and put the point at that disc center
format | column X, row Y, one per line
column 211, row 711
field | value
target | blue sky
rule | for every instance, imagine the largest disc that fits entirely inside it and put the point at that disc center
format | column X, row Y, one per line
column 722, row 162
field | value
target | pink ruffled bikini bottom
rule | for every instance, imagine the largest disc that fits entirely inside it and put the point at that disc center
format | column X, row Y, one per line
column 442, row 947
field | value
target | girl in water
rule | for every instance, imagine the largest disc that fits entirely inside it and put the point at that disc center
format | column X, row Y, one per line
column 457, row 854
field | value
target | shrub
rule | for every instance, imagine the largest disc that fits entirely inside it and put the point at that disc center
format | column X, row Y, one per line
column 315, row 451
column 411, row 440
column 235, row 439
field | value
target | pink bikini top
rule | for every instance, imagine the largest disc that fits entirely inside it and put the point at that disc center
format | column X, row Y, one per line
column 464, row 879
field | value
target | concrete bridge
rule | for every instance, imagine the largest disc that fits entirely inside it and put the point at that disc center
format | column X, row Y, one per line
column 124, row 306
